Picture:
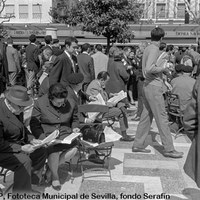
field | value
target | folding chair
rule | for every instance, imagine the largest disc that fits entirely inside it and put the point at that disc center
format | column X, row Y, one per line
column 102, row 150
column 174, row 112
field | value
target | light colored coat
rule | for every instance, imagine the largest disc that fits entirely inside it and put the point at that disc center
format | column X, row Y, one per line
column 100, row 62
column 13, row 59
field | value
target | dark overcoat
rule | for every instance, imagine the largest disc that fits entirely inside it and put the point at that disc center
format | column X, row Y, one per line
column 192, row 127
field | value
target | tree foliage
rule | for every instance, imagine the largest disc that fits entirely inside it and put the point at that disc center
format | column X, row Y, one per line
column 109, row 18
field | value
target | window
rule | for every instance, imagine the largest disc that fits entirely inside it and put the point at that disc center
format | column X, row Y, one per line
column 23, row 11
column 37, row 11
column 9, row 10
column 142, row 6
column 181, row 11
column 160, row 11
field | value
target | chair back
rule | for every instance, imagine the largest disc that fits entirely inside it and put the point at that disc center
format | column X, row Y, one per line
column 173, row 104
column 93, row 108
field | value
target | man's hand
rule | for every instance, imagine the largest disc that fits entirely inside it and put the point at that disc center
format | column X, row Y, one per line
column 93, row 98
column 27, row 148
column 76, row 130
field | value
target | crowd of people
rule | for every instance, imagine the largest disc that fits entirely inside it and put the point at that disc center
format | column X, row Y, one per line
column 57, row 80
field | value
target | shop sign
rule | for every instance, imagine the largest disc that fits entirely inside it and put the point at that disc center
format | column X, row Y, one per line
column 26, row 33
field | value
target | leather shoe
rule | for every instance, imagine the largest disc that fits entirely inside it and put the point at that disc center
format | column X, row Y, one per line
column 173, row 154
column 127, row 138
column 143, row 150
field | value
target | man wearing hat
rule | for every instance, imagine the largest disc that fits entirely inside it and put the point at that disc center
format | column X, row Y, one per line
column 56, row 47
column 183, row 85
column 17, row 150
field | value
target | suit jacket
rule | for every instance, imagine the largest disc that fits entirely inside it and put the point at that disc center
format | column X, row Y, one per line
column 32, row 58
column 79, row 98
column 118, row 77
column 13, row 134
column 191, row 124
column 46, row 118
column 86, row 67
column 95, row 88
column 183, row 86
column 100, row 62
column 13, row 59
column 62, row 68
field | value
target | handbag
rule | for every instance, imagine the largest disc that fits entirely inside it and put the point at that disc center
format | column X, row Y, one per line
column 93, row 133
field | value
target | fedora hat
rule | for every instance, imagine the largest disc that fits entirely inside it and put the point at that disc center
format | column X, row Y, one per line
column 18, row 95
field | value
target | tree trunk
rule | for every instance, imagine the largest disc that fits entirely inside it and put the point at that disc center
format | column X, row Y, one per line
column 108, row 44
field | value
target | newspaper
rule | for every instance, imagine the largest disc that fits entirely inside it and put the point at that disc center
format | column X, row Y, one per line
column 111, row 135
column 99, row 101
column 70, row 138
column 50, row 138
column 121, row 95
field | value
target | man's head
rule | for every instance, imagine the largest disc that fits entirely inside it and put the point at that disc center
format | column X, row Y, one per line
column 70, row 44
column 163, row 46
column 48, row 39
column 47, row 53
column 103, row 78
column 9, row 40
column 32, row 38
column 127, row 51
column 86, row 47
column 55, row 43
column 99, row 47
column 76, row 81
column 157, row 34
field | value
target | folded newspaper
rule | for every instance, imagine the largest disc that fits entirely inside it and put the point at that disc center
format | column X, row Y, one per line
column 70, row 138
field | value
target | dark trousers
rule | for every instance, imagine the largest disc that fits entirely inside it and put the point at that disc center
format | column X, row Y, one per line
column 22, row 165
column 154, row 106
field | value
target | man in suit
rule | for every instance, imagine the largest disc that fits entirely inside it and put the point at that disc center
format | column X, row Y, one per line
column 14, row 67
column 153, row 100
column 100, row 60
column 98, row 86
column 86, row 65
column 33, row 63
column 17, row 150
column 76, row 93
column 48, row 41
column 64, row 64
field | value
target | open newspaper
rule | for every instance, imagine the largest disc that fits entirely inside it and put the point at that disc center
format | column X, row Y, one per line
column 50, row 138
column 117, row 98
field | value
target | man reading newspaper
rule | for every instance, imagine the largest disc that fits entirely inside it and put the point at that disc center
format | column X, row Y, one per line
column 116, row 109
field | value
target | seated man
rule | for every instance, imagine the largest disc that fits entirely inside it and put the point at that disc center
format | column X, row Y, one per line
column 76, row 93
column 17, row 150
column 98, row 86
column 183, row 84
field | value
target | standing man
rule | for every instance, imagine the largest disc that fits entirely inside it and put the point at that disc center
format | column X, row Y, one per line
column 86, row 65
column 154, row 105
column 13, row 62
column 33, row 63
column 100, row 60
column 64, row 64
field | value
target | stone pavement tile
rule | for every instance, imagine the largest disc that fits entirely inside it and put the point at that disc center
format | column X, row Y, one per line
column 92, row 187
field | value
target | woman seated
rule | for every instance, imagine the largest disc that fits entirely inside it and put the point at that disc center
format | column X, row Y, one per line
column 54, row 111
column 17, row 150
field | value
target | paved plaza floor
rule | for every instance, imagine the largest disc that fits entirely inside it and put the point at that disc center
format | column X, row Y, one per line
column 134, row 175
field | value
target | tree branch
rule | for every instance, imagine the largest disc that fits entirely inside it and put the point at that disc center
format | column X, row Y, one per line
column 3, row 2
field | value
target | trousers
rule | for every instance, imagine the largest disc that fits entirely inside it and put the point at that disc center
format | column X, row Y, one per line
column 154, row 106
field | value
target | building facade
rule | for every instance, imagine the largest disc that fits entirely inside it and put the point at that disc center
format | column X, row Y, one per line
column 168, row 11
column 28, row 11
